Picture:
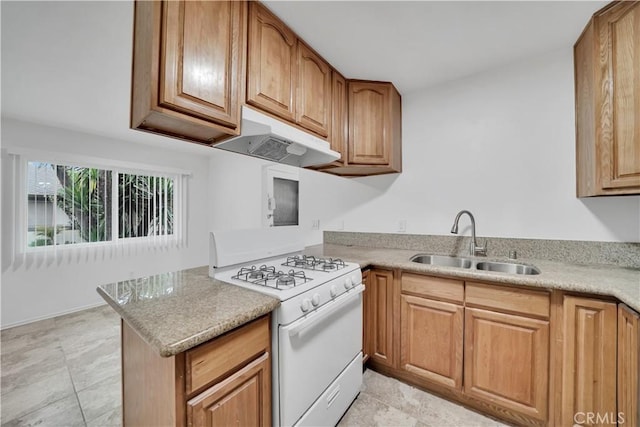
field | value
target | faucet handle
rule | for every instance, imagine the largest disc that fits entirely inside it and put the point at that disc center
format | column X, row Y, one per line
column 481, row 250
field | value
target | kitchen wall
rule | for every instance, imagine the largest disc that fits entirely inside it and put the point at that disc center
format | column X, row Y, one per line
column 32, row 290
column 500, row 144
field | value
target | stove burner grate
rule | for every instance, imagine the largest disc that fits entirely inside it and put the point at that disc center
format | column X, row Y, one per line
column 309, row 262
column 268, row 276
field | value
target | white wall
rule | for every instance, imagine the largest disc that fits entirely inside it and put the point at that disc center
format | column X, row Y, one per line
column 235, row 195
column 32, row 291
column 500, row 144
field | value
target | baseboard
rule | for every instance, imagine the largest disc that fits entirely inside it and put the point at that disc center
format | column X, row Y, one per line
column 50, row 316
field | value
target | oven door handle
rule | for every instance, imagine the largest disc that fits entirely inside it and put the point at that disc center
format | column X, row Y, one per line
column 321, row 314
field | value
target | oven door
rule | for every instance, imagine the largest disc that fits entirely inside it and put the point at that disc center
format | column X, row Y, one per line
column 314, row 350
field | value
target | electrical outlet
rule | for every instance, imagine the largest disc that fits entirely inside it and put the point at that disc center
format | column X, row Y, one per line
column 315, row 225
column 402, row 225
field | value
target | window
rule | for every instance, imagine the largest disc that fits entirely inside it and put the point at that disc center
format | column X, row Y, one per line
column 281, row 196
column 285, row 193
column 70, row 204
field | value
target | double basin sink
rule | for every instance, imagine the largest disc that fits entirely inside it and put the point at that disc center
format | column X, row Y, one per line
column 461, row 262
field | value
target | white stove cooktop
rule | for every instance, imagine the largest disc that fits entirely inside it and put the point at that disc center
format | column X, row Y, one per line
column 287, row 276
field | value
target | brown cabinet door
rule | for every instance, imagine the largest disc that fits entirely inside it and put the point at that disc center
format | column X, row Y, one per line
column 381, row 322
column 272, row 70
column 313, row 110
column 339, row 116
column 202, row 59
column 243, row 399
column 619, row 107
column 607, row 89
column 431, row 340
column 506, row 361
column 589, row 358
column 369, row 105
column 366, row 317
column 628, row 366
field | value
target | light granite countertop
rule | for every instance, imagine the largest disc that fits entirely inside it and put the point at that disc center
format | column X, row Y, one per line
column 620, row 282
column 176, row 311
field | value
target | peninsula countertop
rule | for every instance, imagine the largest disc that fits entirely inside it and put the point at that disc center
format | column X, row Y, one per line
column 601, row 279
column 176, row 311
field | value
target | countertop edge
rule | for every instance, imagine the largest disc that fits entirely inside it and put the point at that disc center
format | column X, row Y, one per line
column 190, row 342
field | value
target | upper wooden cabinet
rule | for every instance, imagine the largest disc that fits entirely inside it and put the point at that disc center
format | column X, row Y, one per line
column 375, row 130
column 339, row 117
column 607, row 83
column 313, row 110
column 285, row 76
column 188, row 63
column 272, row 70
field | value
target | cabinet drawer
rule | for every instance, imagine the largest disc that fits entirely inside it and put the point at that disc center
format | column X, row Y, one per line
column 508, row 299
column 433, row 287
column 212, row 360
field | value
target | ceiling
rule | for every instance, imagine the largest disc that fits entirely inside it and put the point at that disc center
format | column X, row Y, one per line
column 68, row 64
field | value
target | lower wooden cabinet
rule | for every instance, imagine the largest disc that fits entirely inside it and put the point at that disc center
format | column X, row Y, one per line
column 588, row 359
column 528, row 356
column 507, row 361
column 224, row 382
column 239, row 400
column 381, row 333
column 366, row 317
column 431, row 328
column 628, row 366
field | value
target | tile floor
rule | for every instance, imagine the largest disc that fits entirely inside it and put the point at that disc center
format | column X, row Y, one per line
column 66, row 372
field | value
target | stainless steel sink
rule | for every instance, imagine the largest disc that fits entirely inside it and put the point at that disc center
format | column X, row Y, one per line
column 460, row 262
column 442, row 260
column 507, row 267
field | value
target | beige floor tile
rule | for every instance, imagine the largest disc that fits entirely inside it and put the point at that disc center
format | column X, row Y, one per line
column 423, row 406
column 40, row 334
column 29, row 366
column 110, row 419
column 41, row 326
column 100, row 398
column 64, row 412
column 76, row 331
column 368, row 411
column 31, row 395
column 96, row 361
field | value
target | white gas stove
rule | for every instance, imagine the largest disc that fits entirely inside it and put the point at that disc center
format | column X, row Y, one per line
column 316, row 331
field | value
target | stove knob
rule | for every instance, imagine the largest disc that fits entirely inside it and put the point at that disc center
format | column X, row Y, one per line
column 306, row 305
column 348, row 283
column 333, row 291
column 315, row 300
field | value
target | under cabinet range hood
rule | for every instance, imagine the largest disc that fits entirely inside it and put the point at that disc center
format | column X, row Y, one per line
column 267, row 138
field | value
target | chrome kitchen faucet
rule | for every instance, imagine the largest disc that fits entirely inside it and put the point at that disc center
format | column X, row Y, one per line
column 474, row 248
